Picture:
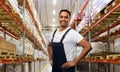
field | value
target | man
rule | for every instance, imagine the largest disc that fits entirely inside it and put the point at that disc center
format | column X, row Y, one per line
column 62, row 44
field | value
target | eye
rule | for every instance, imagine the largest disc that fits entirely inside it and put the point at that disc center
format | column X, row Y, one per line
column 66, row 17
column 60, row 16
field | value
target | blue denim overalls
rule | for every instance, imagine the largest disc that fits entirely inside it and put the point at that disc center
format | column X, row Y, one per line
column 59, row 56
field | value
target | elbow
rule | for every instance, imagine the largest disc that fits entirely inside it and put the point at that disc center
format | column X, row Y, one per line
column 90, row 48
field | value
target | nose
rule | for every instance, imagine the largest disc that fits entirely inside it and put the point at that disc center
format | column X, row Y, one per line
column 63, row 18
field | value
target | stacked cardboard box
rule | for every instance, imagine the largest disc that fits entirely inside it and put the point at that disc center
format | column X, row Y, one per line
column 7, row 46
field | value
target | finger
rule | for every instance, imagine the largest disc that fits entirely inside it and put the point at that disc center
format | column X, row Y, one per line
column 64, row 65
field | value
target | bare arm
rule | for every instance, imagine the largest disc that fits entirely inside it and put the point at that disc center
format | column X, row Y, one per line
column 86, row 48
column 49, row 49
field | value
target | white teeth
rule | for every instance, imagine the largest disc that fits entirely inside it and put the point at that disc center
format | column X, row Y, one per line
column 63, row 22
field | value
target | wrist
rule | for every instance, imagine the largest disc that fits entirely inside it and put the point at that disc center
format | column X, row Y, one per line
column 50, row 62
column 75, row 61
column 50, row 59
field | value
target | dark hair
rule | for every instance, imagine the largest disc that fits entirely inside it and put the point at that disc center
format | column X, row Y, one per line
column 65, row 10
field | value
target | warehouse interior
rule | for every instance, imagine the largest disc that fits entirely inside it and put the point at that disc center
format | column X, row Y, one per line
column 26, row 25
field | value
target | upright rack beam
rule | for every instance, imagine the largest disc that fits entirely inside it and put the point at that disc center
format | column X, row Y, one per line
column 81, row 11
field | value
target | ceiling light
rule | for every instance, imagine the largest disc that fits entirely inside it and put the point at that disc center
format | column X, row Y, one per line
column 54, row 2
column 53, row 19
column 54, row 12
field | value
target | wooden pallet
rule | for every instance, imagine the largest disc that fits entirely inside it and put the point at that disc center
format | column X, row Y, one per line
column 115, row 56
column 7, row 55
column 20, row 2
column 111, row 6
column 100, row 57
column 4, row 53
column 27, row 57
column 14, row 12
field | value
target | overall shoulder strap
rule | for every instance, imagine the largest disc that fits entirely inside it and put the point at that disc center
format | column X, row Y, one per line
column 53, row 35
column 65, row 34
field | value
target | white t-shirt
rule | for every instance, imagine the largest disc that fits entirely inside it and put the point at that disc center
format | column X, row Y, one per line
column 70, row 40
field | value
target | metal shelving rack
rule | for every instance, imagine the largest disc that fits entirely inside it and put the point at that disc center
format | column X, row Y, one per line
column 28, row 34
column 101, row 61
column 112, row 61
column 20, row 24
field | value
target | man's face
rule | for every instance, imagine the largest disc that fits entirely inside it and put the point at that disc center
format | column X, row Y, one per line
column 64, row 19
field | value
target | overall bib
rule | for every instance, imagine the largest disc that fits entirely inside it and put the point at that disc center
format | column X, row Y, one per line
column 59, row 56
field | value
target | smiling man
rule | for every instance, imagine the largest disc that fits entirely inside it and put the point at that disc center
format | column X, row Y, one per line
column 62, row 44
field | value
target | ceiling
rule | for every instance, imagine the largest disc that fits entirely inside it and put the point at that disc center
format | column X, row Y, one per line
column 49, row 9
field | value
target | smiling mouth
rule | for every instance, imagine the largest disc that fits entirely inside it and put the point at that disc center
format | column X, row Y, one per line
column 63, row 22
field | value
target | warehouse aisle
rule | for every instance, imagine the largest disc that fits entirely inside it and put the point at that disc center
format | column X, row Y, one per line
column 26, row 26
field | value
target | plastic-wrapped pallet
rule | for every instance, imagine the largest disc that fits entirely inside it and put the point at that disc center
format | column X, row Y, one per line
column 37, row 35
column 30, row 25
column 97, row 47
column 36, row 54
column 14, row 4
column 1, row 34
column 28, row 47
column 19, row 46
column 43, row 56
column 117, row 44
column 39, row 54
column 32, row 6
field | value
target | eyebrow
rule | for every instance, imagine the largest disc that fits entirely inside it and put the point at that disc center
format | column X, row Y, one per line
column 63, row 16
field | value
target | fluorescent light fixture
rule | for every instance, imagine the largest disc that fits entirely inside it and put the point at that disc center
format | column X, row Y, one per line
column 54, row 2
column 53, row 20
column 54, row 12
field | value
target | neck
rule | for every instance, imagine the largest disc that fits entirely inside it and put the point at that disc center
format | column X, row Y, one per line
column 62, row 28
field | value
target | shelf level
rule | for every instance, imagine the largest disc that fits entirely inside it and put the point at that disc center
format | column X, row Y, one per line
column 116, row 61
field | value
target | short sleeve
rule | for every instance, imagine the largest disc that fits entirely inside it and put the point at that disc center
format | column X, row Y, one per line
column 77, row 37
